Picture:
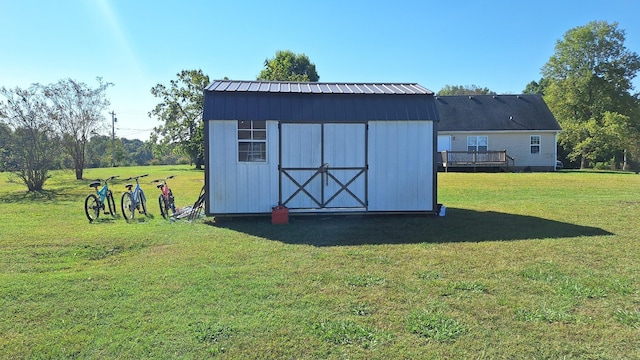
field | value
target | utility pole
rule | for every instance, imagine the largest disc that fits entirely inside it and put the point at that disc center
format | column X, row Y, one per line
column 113, row 138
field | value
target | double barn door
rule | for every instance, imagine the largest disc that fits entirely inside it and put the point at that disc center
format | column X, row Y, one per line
column 323, row 166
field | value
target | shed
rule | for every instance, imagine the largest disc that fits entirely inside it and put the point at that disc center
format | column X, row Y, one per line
column 521, row 127
column 319, row 147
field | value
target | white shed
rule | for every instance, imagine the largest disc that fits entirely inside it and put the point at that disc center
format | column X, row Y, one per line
column 319, row 148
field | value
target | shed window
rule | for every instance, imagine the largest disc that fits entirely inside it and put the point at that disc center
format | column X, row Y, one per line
column 477, row 143
column 252, row 141
column 535, row 144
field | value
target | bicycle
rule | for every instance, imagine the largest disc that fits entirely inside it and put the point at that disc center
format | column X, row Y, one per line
column 198, row 207
column 134, row 199
column 94, row 203
column 166, row 201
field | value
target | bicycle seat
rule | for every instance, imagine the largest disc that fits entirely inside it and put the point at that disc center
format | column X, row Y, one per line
column 159, row 186
column 129, row 186
column 94, row 184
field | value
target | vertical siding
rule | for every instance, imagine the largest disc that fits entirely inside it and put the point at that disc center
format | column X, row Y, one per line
column 401, row 176
column 345, row 148
column 301, row 148
column 237, row 187
column 310, row 146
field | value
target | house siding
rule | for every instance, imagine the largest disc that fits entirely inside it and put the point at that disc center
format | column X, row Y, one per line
column 517, row 145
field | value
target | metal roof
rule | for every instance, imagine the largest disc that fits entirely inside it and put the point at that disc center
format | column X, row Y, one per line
column 317, row 102
column 494, row 113
column 318, row 88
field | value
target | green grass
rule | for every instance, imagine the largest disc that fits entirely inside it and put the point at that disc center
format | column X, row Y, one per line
column 541, row 265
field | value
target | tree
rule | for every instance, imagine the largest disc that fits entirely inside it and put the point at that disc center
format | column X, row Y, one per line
column 6, row 136
column 287, row 66
column 590, row 76
column 77, row 110
column 536, row 87
column 464, row 90
column 180, row 112
column 33, row 147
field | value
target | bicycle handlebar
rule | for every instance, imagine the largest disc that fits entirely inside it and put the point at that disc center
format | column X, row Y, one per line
column 165, row 179
column 108, row 179
column 136, row 177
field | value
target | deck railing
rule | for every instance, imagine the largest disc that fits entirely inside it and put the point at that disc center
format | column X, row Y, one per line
column 477, row 159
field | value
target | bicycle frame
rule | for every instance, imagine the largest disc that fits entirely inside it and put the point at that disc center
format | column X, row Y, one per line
column 102, row 193
column 96, row 202
column 137, row 194
column 136, row 197
column 166, row 200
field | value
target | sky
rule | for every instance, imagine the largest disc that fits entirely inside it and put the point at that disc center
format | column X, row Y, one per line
column 136, row 44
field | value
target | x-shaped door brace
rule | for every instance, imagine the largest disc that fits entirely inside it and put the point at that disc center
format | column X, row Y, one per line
column 324, row 169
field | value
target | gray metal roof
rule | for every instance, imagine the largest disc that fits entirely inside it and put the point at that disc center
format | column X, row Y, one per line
column 317, row 102
column 318, row 88
column 494, row 113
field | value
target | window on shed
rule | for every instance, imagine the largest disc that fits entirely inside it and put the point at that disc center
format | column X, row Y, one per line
column 535, row 144
column 252, row 141
column 477, row 143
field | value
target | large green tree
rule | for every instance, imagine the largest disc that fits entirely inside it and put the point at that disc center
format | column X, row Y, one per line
column 589, row 84
column 288, row 66
column 77, row 110
column 180, row 112
column 32, row 149
column 464, row 90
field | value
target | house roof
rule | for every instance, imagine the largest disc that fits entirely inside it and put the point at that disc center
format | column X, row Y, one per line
column 317, row 102
column 494, row 113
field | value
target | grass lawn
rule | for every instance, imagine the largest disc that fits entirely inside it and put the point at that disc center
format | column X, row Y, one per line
column 541, row 265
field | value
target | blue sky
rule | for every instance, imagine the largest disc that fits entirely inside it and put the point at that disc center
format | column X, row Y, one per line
column 136, row 44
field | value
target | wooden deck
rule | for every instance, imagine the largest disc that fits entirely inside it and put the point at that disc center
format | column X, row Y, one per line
column 482, row 159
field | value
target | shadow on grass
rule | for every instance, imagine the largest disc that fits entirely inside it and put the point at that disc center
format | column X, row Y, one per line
column 459, row 225
column 43, row 196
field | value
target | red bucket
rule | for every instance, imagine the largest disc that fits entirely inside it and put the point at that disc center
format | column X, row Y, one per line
column 280, row 215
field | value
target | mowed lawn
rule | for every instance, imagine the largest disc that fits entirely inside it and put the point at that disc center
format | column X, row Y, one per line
column 528, row 265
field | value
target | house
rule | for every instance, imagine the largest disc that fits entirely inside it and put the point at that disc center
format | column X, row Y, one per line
column 514, row 131
column 319, row 147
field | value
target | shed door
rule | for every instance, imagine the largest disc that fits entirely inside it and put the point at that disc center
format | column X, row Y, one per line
column 323, row 166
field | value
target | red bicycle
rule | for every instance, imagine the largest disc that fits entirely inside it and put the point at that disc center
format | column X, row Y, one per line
column 166, row 200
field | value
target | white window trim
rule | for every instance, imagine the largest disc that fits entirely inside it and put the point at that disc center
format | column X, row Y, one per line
column 477, row 141
column 531, row 145
column 238, row 141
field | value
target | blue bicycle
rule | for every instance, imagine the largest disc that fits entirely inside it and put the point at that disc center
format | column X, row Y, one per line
column 134, row 199
column 95, row 203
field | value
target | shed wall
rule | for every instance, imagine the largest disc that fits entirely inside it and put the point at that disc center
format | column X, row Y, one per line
column 400, row 176
column 239, row 187
column 401, row 170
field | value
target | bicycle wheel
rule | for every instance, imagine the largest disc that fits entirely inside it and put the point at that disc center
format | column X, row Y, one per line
column 198, row 207
column 142, row 200
column 111, row 203
column 92, row 207
column 164, row 207
column 128, row 210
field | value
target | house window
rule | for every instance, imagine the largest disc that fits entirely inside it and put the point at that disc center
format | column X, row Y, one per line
column 252, row 141
column 477, row 143
column 535, row 144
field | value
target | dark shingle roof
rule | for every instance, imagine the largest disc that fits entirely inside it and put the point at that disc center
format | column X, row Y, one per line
column 317, row 102
column 494, row 112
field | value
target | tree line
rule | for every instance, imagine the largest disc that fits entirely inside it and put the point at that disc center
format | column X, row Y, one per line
column 587, row 84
